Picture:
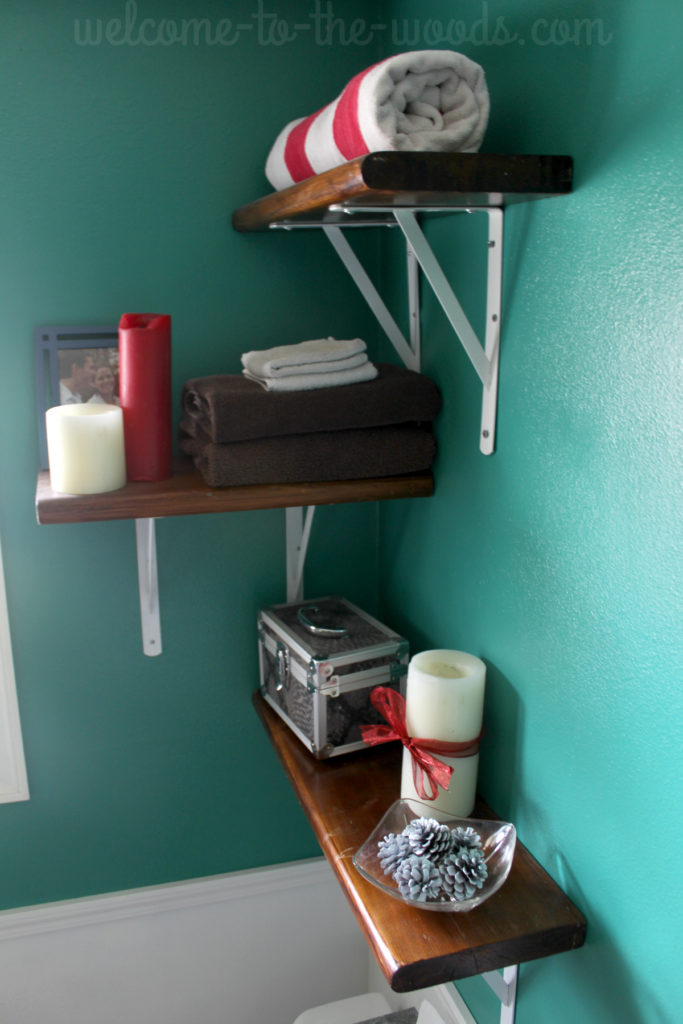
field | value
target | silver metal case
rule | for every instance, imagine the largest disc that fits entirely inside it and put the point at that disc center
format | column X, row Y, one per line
column 319, row 662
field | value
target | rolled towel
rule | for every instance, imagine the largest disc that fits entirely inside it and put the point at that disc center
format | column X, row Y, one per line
column 319, row 379
column 323, row 354
column 229, row 407
column 420, row 100
column 299, row 458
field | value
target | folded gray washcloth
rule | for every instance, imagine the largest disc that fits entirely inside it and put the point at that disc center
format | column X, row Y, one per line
column 320, row 378
column 324, row 366
column 283, row 360
column 322, row 456
column 229, row 407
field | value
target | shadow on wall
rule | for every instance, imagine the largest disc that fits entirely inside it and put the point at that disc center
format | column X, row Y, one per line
column 580, row 52
column 501, row 744
column 596, row 973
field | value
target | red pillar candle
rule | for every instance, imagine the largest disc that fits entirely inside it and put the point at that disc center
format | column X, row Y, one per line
column 145, row 393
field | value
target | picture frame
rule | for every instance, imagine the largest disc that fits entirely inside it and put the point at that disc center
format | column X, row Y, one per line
column 60, row 348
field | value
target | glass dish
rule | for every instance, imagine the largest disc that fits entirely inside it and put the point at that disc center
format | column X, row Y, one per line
column 498, row 840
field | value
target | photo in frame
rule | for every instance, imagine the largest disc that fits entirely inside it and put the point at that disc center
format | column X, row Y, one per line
column 73, row 365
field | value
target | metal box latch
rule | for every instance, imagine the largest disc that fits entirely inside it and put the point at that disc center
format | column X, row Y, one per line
column 281, row 667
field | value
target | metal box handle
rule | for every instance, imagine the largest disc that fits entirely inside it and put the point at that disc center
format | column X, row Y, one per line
column 281, row 667
column 329, row 630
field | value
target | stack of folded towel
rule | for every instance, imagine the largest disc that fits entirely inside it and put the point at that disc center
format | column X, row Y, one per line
column 239, row 430
column 321, row 363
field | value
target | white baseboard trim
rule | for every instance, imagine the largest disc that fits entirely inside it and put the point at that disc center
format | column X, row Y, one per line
column 250, row 946
column 167, row 898
column 29, row 938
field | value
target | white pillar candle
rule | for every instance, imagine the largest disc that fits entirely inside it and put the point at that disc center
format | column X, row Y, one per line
column 85, row 448
column 445, row 702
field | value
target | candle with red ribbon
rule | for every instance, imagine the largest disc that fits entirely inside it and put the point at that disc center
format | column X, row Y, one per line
column 145, row 393
column 439, row 724
column 429, row 769
column 445, row 700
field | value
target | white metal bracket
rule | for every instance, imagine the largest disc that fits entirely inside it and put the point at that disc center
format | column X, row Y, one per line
column 505, row 987
column 148, row 586
column 298, row 532
column 372, row 297
column 484, row 358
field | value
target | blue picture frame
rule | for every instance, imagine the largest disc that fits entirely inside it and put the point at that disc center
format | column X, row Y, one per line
column 49, row 342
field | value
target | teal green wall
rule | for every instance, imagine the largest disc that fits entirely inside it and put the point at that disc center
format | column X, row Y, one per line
column 557, row 559
column 120, row 167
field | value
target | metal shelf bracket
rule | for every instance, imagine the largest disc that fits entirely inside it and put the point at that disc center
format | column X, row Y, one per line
column 484, row 358
column 148, row 585
column 505, row 987
column 298, row 532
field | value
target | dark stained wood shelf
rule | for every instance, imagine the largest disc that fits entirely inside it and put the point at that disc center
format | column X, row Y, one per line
column 344, row 798
column 419, row 179
column 186, row 493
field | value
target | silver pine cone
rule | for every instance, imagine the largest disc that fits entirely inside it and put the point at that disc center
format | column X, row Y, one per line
column 418, row 879
column 392, row 850
column 429, row 838
column 466, row 837
column 462, row 873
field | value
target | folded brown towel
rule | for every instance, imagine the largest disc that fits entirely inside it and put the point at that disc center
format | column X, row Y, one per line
column 299, row 458
column 229, row 407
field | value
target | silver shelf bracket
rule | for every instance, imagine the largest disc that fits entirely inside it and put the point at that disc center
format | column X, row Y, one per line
column 148, row 586
column 413, row 277
column 484, row 358
column 297, row 529
column 297, row 536
column 505, row 987
column 369, row 292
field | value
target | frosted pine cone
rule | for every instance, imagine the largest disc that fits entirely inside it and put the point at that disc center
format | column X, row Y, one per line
column 429, row 838
column 391, row 851
column 418, row 879
column 466, row 837
column 462, row 873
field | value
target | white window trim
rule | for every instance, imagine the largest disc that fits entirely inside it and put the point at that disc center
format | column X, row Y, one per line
column 13, row 780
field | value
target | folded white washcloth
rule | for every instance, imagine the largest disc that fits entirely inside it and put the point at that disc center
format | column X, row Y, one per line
column 324, row 366
column 303, row 357
column 310, row 381
column 420, row 100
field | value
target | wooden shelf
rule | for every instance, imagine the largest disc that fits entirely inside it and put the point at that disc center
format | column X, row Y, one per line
column 389, row 180
column 186, row 493
column 344, row 798
column 395, row 189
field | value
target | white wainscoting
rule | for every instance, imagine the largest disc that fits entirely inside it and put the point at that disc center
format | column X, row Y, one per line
column 13, row 781
column 253, row 947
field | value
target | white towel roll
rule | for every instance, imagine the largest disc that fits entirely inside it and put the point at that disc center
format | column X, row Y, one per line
column 420, row 100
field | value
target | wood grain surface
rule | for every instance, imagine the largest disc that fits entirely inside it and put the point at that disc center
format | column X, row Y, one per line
column 186, row 493
column 344, row 798
column 411, row 179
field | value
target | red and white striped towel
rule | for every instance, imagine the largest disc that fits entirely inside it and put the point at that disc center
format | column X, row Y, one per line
column 421, row 100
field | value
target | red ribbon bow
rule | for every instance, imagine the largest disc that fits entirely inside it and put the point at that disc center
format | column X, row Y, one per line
column 392, row 706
